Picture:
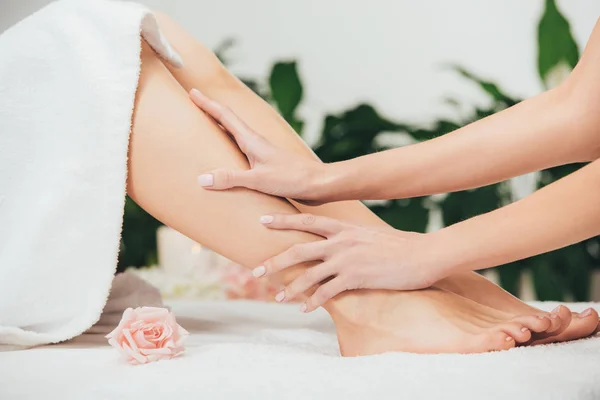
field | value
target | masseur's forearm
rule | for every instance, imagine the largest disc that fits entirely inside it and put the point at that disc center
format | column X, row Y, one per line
column 563, row 213
column 554, row 128
column 538, row 133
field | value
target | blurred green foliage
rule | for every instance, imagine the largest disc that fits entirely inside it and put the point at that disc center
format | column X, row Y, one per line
column 557, row 275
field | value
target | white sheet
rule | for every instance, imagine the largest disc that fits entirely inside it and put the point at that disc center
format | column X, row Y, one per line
column 248, row 350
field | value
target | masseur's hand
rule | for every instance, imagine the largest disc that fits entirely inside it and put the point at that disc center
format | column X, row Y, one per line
column 272, row 170
column 351, row 257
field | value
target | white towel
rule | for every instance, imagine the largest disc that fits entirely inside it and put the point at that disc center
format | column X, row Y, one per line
column 250, row 350
column 68, row 76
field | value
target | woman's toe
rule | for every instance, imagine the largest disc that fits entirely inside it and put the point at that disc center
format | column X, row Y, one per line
column 560, row 318
column 580, row 326
column 492, row 341
column 535, row 323
column 516, row 330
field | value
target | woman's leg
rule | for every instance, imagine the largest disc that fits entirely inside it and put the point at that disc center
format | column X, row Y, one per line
column 172, row 142
column 204, row 71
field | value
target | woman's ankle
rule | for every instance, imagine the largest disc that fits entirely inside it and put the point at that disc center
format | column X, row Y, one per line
column 354, row 307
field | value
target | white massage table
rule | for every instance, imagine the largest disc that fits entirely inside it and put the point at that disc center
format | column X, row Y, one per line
column 251, row 350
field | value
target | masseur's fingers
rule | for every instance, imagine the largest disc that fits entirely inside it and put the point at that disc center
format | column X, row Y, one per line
column 322, row 226
column 244, row 136
column 221, row 179
column 297, row 254
column 325, row 292
column 311, row 277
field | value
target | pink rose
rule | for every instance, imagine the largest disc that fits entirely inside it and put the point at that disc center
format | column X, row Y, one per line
column 240, row 284
column 147, row 334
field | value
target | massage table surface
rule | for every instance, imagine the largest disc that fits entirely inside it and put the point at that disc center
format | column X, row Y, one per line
column 253, row 350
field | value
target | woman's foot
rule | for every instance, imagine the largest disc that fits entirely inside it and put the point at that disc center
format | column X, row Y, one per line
column 426, row 321
column 565, row 325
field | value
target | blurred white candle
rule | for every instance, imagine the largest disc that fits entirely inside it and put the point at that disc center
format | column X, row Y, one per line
column 177, row 253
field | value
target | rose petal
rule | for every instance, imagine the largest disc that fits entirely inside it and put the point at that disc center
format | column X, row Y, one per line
column 130, row 340
column 148, row 334
column 141, row 341
column 167, row 332
column 138, row 357
column 151, row 314
column 127, row 318
column 182, row 331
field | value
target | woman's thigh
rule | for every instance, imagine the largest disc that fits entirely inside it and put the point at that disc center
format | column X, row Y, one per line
column 172, row 142
column 202, row 70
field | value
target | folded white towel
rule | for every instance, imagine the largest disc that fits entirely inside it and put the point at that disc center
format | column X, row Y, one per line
column 68, row 77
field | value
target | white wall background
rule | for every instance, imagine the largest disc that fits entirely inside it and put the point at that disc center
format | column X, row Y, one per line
column 386, row 52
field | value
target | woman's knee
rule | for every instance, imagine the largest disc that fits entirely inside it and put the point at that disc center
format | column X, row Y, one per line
column 201, row 67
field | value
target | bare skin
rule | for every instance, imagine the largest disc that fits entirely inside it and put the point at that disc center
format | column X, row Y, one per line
column 172, row 142
column 205, row 72
column 511, row 146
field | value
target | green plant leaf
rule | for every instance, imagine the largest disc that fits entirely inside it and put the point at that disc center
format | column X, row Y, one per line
column 138, row 240
column 439, row 128
column 459, row 206
column 555, row 41
column 286, row 88
column 407, row 215
column 547, row 282
column 489, row 87
column 578, row 270
column 510, row 277
column 352, row 133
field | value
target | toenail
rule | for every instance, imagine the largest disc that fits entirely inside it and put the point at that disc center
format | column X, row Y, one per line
column 523, row 329
column 280, row 296
column 586, row 313
column 541, row 316
column 508, row 339
column 553, row 315
column 259, row 271
column 556, row 310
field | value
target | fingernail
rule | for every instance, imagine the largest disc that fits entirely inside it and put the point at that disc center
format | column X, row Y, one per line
column 523, row 329
column 205, row 180
column 197, row 93
column 259, row 271
column 508, row 339
column 586, row 313
column 303, row 307
column 266, row 219
column 556, row 310
column 280, row 296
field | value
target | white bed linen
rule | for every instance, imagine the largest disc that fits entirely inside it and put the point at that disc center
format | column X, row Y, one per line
column 251, row 350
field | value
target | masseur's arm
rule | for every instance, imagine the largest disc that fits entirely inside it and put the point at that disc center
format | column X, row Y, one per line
column 548, row 130
column 557, row 127
column 558, row 215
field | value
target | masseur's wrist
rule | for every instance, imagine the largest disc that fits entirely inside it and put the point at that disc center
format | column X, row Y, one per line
column 443, row 253
column 337, row 181
column 324, row 183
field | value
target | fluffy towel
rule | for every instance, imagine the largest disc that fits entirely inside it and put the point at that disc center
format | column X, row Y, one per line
column 250, row 350
column 68, row 77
